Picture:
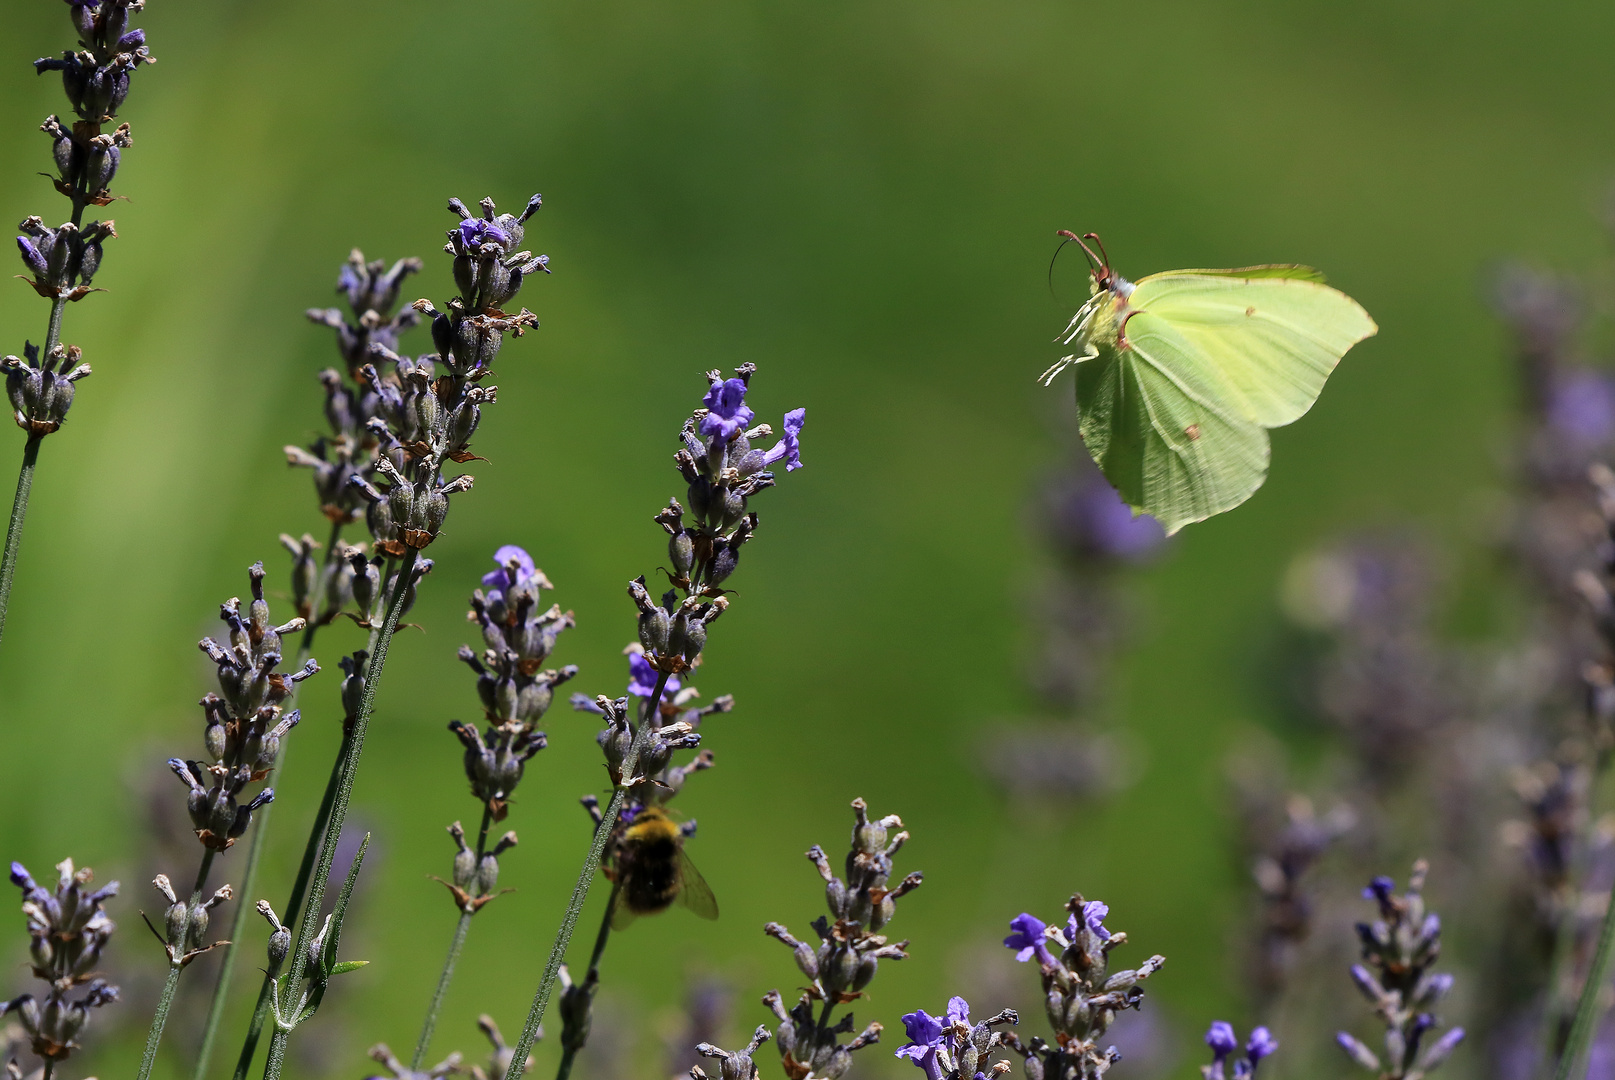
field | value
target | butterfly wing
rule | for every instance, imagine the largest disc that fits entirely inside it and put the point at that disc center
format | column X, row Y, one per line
column 1274, row 334
column 694, row 893
column 1166, row 429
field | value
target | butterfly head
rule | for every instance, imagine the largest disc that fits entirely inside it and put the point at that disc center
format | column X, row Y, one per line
column 1104, row 279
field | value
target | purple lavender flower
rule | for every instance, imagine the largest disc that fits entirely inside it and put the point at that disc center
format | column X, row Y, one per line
column 1581, row 406
column 501, row 581
column 789, row 448
column 1222, row 1040
column 1093, row 913
column 930, row 1035
column 1087, row 518
column 474, row 232
column 32, row 258
column 642, row 678
column 727, row 412
column 1380, row 890
column 1029, row 939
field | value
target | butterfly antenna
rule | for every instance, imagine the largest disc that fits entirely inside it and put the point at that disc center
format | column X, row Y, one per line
column 1068, row 238
column 1095, row 238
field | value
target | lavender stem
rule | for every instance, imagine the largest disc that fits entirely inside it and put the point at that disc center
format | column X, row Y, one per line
column 569, row 1051
column 455, row 945
column 580, row 892
column 1589, row 1007
column 349, row 770
column 176, row 964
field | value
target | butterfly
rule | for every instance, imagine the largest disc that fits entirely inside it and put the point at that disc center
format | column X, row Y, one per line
column 1180, row 374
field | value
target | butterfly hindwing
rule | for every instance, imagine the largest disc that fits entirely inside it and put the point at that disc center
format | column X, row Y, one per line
column 1161, row 428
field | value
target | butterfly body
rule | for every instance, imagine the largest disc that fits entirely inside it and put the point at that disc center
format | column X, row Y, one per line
column 1179, row 376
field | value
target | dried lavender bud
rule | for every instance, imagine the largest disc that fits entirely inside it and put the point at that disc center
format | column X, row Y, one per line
column 62, row 261
column 243, row 725
column 736, row 1066
column 67, row 929
column 96, row 78
column 400, row 1071
column 40, row 395
column 500, row 1058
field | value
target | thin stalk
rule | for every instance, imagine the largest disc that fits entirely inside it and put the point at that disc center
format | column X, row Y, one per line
column 50, row 1068
column 176, row 964
column 339, row 808
column 311, row 848
column 25, row 475
column 255, row 850
column 458, row 943
column 568, row 1052
column 19, row 510
column 580, row 891
column 1590, row 1007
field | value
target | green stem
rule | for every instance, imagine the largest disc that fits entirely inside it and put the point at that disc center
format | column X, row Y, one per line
column 1573, row 1061
column 424, row 1042
column 249, row 875
column 580, row 891
column 176, row 964
column 339, row 809
column 19, row 510
column 260, row 1011
column 25, row 477
column 590, row 980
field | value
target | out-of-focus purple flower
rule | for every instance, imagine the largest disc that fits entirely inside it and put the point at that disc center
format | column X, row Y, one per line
column 1093, row 913
column 501, row 581
column 789, row 448
column 1259, row 1046
column 474, row 232
column 727, row 412
column 1087, row 518
column 1029, row 939
column 1581, row 407
column 1380, row 889
column 642, row 678
column 1221, row 1038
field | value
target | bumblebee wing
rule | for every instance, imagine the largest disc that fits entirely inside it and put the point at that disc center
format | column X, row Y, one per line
column 694, row 892
column 621, row 914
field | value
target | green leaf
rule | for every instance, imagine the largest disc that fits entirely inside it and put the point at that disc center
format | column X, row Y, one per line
column 328, row 957
column 342, row 967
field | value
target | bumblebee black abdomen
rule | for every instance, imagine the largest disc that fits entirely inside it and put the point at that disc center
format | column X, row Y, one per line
column 650, row 879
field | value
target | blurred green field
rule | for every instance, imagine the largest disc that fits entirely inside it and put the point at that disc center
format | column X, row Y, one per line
column 861, row 199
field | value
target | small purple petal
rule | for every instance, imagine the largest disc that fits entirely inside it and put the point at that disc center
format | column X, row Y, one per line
column 727, row 412
column 1027, row 936
column 31, row 257
column 1221, row 1038
column 642, row 678
column 789, row 448
column 1093, row 913
column 1261, row 1044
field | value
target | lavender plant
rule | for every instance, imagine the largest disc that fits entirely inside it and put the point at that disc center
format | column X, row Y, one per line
column 516, row 691
column 427, row 418
column 722, row 470
column 1081, row 995
column 645, row 859
column 1224, row 1045
column 243, row 729
column 1399, row 950
column 324, row 587
column 849, row 953
column 67, row 930
column 62, row 261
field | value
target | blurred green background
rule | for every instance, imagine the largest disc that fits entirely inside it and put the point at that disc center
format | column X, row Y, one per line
column 860, row 197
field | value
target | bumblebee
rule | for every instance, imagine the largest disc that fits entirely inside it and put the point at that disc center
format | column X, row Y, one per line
column 652, row 871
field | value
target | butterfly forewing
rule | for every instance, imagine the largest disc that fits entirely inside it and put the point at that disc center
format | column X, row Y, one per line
column 1275, row 340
